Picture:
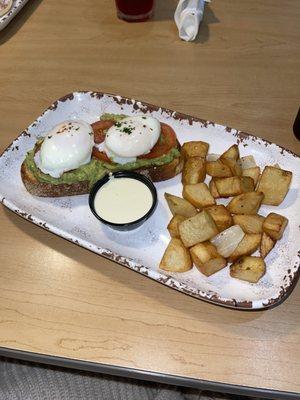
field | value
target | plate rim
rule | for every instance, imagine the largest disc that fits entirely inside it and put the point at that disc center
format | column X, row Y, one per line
column 108, row 254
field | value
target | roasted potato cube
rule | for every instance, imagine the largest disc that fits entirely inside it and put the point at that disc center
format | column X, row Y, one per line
column 274, row 225
column 248, row 162
column 194, row 149
column 247, row 184
column 179, row 206
column 217, row 169
column 253, row 173
column 194, row 170
column 248, row 268
column 231, row 153
column 173, row 225
column 234, row 165
column 228, row 187
column 246, row 203
column 198, row 194
column 197, row 229
column 249, row 223
column 274, row 183
column 266, row 245
column 248, row 245
column 231, row 158
column 213, row 189
column 176, row 257
column 221, row 216
column 207, row 259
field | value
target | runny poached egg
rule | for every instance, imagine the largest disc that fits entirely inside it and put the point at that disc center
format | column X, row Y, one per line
column 131, row 137
column 67, row 146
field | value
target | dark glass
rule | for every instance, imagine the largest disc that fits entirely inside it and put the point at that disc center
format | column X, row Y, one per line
column 135, row 10
column 296, row 126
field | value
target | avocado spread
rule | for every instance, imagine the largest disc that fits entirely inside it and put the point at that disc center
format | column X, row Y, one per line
column 96, row 169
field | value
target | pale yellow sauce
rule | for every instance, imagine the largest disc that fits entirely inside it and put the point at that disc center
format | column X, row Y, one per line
column 123, row 200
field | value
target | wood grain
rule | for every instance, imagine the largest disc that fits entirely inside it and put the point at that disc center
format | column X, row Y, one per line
column 59, row 299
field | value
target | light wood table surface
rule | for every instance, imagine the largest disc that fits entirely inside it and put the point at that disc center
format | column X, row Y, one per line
column 60, row 300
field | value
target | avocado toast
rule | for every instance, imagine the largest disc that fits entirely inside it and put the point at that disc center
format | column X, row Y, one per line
column 163, row 162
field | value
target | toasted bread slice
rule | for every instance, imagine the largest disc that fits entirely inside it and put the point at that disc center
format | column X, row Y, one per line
column 42, row 189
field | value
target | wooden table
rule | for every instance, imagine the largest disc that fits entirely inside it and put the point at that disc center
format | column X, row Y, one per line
column 61, row 304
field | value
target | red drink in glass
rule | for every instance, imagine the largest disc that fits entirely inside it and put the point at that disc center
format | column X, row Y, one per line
column 135, row 10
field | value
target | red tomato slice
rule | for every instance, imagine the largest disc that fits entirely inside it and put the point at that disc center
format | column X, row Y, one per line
column 99, row 127
column 100, row 155
column 164, row 144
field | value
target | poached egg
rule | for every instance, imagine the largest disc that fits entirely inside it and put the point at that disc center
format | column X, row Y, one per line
column 67, row 146
column 131, row 137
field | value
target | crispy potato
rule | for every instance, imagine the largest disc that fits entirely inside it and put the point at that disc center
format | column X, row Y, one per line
column 248, row 268
column 246, row 203
column 249, row 223
column 234, row 165
column 253, row 173
column 248, row 162
column 231, row 153
column 274, row 183
column 194, row 170
column 228, row 187
column 198, row 194
column 217, row 169
column 274, row 225
column 206, row 258
column 179, row 206
column 213, row 189
column 248, row 245
column 221, row 216
column 197, row 229
column 194, row 149
column 176, row 257
column 266, row 245
column 173, row 225
column 247, row 184
column 231, row 158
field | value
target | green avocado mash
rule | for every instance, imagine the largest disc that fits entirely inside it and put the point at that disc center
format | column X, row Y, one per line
column 114, row 117
column 96, row 169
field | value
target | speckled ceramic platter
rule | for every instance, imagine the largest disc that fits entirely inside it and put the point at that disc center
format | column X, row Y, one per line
column 16, row 7
column 142, row 249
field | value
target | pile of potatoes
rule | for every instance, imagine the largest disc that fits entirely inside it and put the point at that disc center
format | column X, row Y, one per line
column 197, row 218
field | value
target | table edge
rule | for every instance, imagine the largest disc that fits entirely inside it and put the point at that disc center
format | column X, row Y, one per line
column 133, row 373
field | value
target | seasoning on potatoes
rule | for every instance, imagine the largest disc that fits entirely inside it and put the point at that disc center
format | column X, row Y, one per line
column 221, row 216
column 274, row 183
column 253, row 172
column 206, row 258
column 217, row 169
column 247, row 184
column 197, row 229
column 198, row 195
column 274, row 225
column 249, row 223
column 228, row 187
column 247, row 246
column 213, row 189
column 173, row 225
column 176, row 257
column 194, row 170
column 246, row 203
column 194, row 149
column 248, row 268
column 179, row 206
column 231, row 158
column 266, row 245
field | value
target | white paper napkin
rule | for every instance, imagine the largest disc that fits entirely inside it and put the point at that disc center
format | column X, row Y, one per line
column 188, row 15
